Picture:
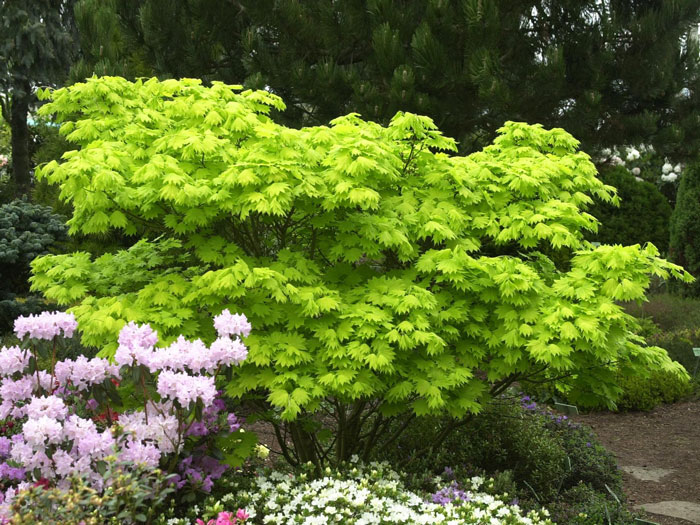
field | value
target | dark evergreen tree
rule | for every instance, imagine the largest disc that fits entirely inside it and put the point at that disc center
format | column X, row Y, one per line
column 684, row 247
column 37, row 39
column 609, row 71
column 105, row 46
column 185, row 38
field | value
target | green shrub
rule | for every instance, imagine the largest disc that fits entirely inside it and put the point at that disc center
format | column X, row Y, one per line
column 684, row 247
column 383, row 275
column 642, row 216
column 132, row 496
column 647, row 393
column 545, row 453
column 679, row 344
column 583, row 505
column 26, row 231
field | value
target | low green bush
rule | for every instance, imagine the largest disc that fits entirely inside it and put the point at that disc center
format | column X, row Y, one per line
column 545, row 453
column 133, row 496
column 669, row 312
column 583, row 505
column 648, row 393
column 679, row 344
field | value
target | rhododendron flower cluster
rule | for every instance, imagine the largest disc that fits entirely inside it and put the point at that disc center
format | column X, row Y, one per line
column 83, row 372
column 56, row 440
column 46, row 325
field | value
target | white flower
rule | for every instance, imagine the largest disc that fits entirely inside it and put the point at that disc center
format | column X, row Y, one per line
column 667, row 168
column 632, row 154
column 617, row 161
column 670, row 177
column 677, row 168
column 636, row 171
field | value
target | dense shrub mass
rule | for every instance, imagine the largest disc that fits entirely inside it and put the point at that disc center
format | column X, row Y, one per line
column 545, row 454
column 685, row 227
column 659, row 388
column 26, row 231
column 642, row 216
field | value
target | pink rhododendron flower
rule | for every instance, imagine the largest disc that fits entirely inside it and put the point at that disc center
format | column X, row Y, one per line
column 46, row 325
column 228, row 324
column 12, row 360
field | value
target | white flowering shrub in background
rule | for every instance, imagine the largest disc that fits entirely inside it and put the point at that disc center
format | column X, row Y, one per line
column 643, row 162
column 364, row 495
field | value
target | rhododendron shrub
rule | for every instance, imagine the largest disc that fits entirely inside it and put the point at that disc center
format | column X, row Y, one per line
column 182, row 422
column 383, row 275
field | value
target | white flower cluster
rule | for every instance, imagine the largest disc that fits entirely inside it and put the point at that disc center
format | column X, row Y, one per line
column 670, row 173
column 631, row 157
column 365, row 496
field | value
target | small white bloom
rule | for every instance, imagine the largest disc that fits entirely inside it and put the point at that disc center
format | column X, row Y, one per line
column 636, row 171
column 667, row 168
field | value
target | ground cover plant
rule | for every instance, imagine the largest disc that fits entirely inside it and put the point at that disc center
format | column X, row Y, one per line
column 363, row 495
column 383, row 276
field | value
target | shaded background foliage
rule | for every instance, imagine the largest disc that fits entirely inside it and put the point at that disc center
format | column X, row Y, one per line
column 608, row 72
column 642, row 216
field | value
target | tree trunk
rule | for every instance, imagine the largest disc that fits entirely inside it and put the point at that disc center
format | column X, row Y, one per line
column 20, row 138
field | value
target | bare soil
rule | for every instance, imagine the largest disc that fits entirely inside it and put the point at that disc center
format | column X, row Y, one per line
column 667, row 437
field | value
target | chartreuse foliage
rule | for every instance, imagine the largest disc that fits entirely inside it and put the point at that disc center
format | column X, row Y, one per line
column 380, row 273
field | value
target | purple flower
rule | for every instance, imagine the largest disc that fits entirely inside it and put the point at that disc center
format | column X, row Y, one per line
column 233, row 423
column 449, row 494
column 5, row 445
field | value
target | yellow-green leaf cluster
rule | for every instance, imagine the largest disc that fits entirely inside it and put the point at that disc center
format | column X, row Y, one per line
column 371, row 262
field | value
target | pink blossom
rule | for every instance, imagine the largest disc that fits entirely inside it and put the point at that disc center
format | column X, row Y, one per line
column 186, row 388
column 84, row 372
column 46, row 325
column 13, row 359
column 228, row 324
column 50, row 406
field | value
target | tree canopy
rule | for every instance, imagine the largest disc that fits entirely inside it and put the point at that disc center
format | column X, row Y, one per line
column 379, row 270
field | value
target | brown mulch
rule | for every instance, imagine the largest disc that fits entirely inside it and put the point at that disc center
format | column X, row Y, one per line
column 667, row 437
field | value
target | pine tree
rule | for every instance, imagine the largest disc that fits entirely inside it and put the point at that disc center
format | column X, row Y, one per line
column 608, row 72
column 105, row 48
column 37, row 39
column 186, row 38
